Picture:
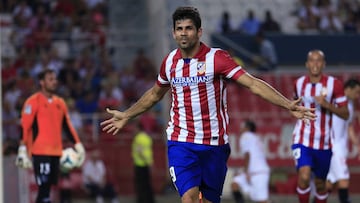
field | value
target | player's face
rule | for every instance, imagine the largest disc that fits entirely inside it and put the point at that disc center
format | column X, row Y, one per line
column 186, row 35
column 354, row 93
column 315, row 63
column 49, row 83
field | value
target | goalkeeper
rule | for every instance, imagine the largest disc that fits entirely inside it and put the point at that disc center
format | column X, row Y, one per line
column 43, row 118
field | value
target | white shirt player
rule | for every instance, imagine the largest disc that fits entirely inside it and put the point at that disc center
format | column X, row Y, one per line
column 340, row 128
column 317, row 134
column 252, row 144
column 199, row 109
column 257, row 188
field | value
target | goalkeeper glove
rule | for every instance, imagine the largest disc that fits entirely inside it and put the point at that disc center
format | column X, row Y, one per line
column 81, row 152
column 22, row 159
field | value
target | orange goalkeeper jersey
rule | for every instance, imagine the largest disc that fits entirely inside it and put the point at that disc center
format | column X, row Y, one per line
column 43, row 122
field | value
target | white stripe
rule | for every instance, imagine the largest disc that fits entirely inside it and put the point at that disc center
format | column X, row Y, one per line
column 232, row 72
column 196, row 106
column 210, row 88
column 340, row 99
column 162, row 81
column 168, row 64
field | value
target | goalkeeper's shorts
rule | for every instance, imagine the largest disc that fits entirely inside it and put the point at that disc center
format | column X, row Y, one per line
column 46, row 169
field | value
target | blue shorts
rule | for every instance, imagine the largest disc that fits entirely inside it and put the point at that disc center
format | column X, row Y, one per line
column 194, row 165
column 318, row 160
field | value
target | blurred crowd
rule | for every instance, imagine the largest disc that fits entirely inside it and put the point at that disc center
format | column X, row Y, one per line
column 327, row 16
column 313, row 16
column 68, row 36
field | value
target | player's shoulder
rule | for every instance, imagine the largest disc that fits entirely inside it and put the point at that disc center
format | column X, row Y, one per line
column 336, row 79
column 247, row 136
column 219, row 51
column 33, row 98
column 59, row 100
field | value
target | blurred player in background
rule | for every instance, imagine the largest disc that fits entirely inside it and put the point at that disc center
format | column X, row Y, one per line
column 142, row 154
column 195, row 74
column 44, row 118
column 254, row 180
column 339, row 172
column 95, row 179
column 311, row 139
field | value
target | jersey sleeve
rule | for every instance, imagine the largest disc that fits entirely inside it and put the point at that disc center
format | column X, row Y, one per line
column 28, row 114
column 339, row 95
column 225, row 65
column 162, row 79
column 67, row 125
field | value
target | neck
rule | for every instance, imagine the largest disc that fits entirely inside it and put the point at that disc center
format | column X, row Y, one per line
column 191, row 51
column 46, row 93
column 315, row 79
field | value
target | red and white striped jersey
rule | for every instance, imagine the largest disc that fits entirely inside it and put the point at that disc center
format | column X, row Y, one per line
column 317, row 134
column 198, row 112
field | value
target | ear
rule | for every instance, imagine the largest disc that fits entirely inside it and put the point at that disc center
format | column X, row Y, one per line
column 200, row 31
column 173, row 34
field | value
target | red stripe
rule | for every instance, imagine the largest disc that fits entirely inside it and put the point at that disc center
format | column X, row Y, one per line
column 176, row 132
column 312, row 126
column 188, row 107
column 324, row 114
column 204, row 105
column 221, row 126
column 302, row 92
column 323, row 117
column 219, row 107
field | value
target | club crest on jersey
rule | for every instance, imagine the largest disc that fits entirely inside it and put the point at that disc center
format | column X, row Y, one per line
column 201, row 68
column 27, row 109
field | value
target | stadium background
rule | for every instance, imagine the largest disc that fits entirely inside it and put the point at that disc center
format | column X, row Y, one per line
column 122, row 28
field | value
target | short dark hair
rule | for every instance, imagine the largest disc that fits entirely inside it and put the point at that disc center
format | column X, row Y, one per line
column 351, row 83
column 249, row 124
column 187, row 12
column 41, row 75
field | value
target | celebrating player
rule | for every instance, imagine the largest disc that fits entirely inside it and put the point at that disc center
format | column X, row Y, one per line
column 43, row 119
column 311, row 139
column 198, row 147
column 339, row 172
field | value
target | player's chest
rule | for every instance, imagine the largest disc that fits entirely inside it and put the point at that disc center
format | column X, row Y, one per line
column 50, row 110
column 191, row 73
column 309, row 91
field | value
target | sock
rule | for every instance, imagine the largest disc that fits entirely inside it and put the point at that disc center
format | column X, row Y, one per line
column 321, row 198
column 303, row 194
column 344, row 195
column 238, row 197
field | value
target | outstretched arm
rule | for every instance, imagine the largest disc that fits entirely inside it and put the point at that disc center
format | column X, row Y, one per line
column 119, row 119
column 267, row 92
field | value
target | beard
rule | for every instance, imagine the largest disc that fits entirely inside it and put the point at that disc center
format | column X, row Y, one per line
column 187, row 46
column 51, row 90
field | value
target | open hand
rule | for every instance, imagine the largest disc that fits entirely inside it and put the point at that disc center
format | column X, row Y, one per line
column 115, row 123
column 301, row 112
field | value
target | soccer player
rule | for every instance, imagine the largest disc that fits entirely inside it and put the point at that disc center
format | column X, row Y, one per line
column 254, row 180
column 44, row 117
column 311, row 139
column 195, row 74
column 339, row 172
